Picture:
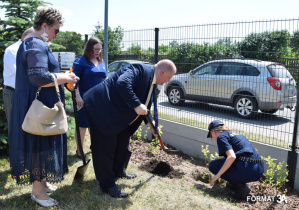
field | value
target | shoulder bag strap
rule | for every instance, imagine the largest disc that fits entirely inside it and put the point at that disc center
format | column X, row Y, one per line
column 56, row 87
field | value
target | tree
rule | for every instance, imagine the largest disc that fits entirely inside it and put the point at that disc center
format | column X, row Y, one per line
column 115, row 37
column 266, row 45
column 19, row 16
column 135, row 49
column 71, row 41
column 294, row 43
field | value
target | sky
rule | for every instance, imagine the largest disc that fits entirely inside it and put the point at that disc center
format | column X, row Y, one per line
column 82, row 16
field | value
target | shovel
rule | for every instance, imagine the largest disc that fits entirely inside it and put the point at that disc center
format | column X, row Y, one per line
column 153, row 127
column 82, row 169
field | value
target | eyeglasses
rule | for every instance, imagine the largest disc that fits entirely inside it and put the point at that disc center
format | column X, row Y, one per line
column 97, row 50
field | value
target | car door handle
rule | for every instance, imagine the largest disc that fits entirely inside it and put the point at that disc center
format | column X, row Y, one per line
column 237, row 80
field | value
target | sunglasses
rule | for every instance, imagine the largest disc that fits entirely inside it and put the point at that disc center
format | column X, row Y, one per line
column 56, row 30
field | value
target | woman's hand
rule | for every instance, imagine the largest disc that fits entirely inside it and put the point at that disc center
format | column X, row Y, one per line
column 79, row 100
column 71, row 78
column 214, row 179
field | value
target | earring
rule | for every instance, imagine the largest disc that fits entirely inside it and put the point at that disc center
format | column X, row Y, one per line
column 45, row 36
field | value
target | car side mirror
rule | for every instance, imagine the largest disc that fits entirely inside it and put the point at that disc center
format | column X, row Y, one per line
column 191, row 73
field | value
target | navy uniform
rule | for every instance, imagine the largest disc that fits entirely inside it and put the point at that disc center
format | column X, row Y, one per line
column 248, row 166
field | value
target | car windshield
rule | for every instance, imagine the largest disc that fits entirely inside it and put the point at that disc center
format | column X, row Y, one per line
column 279, row 71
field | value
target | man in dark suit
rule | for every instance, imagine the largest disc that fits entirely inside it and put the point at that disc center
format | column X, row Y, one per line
column 114, row 109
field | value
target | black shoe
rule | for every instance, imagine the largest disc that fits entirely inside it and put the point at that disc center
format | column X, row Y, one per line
column 126, row 176
column 242, row 192
column 231, row 186
column 114, row 192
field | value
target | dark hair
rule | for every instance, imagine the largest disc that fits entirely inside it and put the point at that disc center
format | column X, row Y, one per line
column 88, row 50
column 47, row 15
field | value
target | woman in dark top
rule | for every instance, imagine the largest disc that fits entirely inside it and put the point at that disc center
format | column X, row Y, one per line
column 90, row 67
column 38, row 159
column 240, row 162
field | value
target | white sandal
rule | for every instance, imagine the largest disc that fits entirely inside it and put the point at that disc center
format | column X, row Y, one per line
column 45, row 203
column 51, row 188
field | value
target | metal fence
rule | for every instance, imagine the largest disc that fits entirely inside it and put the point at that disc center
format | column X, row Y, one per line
column 226, row 88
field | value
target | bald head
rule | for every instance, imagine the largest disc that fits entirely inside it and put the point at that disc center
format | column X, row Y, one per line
column 167, row 65
column 164, row 70
column 26, row 32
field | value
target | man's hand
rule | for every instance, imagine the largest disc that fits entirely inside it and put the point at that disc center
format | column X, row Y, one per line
column 152, row 130
column 141, row 109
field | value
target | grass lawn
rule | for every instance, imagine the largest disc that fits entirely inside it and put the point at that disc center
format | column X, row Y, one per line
column 146, row 191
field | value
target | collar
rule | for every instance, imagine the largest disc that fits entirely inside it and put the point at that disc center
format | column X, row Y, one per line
column 154, row 79
column 19, row 42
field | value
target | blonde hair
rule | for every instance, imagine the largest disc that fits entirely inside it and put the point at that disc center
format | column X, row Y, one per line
column 220, row 129
column 48, row 15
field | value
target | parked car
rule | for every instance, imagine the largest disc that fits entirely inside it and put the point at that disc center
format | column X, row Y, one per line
column 66, row 59
column 245, row 84
column 116, row 65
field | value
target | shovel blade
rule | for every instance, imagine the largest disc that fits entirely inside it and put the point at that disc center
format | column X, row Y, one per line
column 81, row 170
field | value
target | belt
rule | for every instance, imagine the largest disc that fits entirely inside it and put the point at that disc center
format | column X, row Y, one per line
column 9, row 88
column 248, row 159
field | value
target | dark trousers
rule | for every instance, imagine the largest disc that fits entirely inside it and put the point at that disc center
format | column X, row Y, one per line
column 109, row 153
column 240, row 172
column 8, row 93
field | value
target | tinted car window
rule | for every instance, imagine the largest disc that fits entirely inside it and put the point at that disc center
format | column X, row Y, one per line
column 278, row 71
column 123, row 64
column 207, row 69
column 250, row 71
column 231, row 68
column 113, row 67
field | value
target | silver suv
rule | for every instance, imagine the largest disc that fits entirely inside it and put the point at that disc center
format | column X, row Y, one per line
column 245, row 84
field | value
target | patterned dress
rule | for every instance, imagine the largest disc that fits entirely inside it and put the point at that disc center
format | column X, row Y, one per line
column 34, row 157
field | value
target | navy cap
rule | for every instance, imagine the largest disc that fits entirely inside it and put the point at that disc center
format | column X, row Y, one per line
column 214, row 124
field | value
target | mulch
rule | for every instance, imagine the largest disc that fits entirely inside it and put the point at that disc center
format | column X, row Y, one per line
column 175, row 164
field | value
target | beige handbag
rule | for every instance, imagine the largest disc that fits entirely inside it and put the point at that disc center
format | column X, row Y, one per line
column 44, row 121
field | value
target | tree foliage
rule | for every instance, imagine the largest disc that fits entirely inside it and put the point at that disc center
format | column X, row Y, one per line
column 266, row 45
column 294, row 43
column 115, row 37
column 71, row 42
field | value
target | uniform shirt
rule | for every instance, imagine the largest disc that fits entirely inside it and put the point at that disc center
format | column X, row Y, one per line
column 9, row 66
column 238, row 143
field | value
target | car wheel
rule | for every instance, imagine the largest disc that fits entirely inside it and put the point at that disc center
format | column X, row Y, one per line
column 245, row 106
column 270, row 111
column 175, row 96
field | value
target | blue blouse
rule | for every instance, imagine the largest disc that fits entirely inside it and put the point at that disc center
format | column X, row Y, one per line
column 90, row 75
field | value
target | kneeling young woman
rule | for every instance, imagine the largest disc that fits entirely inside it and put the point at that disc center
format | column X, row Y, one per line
column 240, row 162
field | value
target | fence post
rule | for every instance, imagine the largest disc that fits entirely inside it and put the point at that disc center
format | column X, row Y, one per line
column 293, row 155
column 156, row 44
column 86, row 38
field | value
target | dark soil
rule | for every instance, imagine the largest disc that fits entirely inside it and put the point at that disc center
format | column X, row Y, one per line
column 175, row 164
column 161, row 168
